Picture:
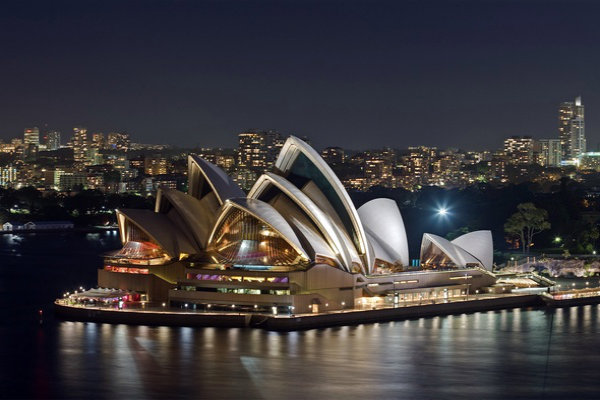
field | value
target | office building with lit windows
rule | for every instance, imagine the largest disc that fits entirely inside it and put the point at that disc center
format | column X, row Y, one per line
column 571, row 129
column 53, row 140
column 155, row 165
column 31, row 136
column 295, row 241
column 519, row 149
column 80, row 145
column 333, row 155
column 258, row 149
column 550, row 152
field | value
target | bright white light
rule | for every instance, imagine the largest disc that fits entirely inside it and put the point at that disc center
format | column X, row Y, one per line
column 442, row 211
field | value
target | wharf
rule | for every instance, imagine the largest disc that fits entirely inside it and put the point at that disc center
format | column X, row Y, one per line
column 171, row 317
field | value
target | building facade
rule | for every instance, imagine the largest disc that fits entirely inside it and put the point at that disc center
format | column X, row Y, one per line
column 53, row 140
column 31, row 136
column 519, row 149
column 550, row 152
column 571, row 129
column 258, row 149
column 80, row 144
column 295, row 241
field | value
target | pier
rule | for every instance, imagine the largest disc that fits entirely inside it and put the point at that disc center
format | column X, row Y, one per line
column 290, row 322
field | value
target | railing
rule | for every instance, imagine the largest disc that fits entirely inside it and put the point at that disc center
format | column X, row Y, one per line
column 542, row 280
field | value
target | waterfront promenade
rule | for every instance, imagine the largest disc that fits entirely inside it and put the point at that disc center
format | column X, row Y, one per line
column 158, row 315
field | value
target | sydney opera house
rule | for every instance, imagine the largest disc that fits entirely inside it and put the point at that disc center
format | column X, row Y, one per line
column 294, row 242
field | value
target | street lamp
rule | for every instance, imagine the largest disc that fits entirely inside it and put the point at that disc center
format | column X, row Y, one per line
column 442, row 211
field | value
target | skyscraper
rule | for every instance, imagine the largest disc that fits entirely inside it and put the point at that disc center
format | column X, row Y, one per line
column 155, row 165
column 80, row 144
column 31, row 136
column 550, row 152
column 53, row 140
column 519, row 149
column 118, row 141
column 97, row 141
column 571, row 129
column 258, row 149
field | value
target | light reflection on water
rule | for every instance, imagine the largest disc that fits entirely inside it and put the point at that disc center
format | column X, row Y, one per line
column 499, row 354
column 486, row 355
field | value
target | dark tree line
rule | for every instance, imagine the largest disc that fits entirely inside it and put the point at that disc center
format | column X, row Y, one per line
column 573, row 213
column 88, row 207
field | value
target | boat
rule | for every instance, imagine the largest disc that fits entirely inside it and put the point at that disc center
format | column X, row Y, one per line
column 575, row 297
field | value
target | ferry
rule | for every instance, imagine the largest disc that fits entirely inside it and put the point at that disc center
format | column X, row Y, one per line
column 573, row 297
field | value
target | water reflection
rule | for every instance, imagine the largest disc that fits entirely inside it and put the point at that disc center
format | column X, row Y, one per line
column 527, row 353
column 488, row 355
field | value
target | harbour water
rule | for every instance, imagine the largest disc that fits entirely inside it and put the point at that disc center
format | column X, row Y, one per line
column 521, row 353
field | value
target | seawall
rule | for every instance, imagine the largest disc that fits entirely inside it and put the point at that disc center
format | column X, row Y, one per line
column 290, row 323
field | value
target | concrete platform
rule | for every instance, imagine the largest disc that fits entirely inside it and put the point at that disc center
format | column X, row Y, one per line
column 290, row 323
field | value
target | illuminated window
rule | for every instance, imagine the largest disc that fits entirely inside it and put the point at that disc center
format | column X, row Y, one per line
column 243, row 239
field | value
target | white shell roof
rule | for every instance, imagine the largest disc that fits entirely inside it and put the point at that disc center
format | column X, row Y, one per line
column 222, row 185
column 160, row 228
column 292, row 147
column 266, row 213
column 383, row 222
column 480, row 245
column 457, row 254
column 326, row 225
column 199, row 215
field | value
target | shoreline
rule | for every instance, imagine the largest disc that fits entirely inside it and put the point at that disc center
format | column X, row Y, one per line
column 292, row 322
column 83, row 229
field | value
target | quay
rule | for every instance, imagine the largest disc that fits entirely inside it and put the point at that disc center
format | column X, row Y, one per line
column 289, row 322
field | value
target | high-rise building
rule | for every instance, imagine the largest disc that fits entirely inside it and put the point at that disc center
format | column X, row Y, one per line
column 71, row 181
column 97, row 141
column 80, row 144
column 519, row 149
column 333, row 155
column 8, row 174
column 258, row 149
column 225, row 161
column 550, row 152
column 53, row 140
column 571, row 129
column 118, row 141
column 418, row 165
column 155, row 165
column 31, row 137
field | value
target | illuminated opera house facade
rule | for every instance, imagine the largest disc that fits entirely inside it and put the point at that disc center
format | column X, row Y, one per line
column 295, row 241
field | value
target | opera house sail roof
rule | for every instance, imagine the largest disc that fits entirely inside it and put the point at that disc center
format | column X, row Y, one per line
column 296, row 216
column 471, row 249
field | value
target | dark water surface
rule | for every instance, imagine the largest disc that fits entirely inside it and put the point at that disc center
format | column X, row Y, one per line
column 492, row 355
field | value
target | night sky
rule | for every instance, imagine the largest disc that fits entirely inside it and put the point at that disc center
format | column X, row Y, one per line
column 356, row 74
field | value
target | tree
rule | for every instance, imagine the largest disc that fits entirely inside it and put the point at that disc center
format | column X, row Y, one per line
column 457, row 232
column 527, row 222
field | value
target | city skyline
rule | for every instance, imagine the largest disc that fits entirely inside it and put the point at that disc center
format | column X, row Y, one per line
column 202, row 70
column 567, row 121
column 300, row 199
